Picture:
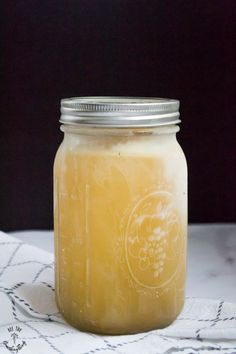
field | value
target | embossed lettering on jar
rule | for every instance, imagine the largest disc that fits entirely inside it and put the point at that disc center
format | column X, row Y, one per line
column 120, row 214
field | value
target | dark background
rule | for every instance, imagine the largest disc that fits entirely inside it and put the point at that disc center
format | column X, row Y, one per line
column 56, row 49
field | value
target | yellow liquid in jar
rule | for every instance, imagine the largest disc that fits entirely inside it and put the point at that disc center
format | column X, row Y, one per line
column 120, row 242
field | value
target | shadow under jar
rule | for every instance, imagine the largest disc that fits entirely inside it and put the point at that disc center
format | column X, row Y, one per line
column 120, row 214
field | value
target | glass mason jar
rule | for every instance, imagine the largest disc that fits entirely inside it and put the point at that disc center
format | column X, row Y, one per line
column 120, row 214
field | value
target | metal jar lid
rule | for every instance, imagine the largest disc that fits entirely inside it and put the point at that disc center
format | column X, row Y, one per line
column 119, row 112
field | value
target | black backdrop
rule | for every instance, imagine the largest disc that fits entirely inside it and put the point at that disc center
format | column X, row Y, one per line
column 53, row 49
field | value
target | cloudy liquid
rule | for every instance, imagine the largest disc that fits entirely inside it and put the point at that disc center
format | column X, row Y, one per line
column 120, row 234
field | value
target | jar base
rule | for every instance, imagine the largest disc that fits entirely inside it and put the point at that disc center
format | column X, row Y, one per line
column 86, row 326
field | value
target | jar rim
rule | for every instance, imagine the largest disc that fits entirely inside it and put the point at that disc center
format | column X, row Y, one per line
column 118, row 111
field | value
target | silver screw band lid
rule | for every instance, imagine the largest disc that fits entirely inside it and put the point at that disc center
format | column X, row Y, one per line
column 119, row 111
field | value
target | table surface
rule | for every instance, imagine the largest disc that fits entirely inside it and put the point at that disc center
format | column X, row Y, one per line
column 211, row 258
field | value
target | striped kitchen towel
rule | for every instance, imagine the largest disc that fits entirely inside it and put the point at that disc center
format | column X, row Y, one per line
column 31, row 324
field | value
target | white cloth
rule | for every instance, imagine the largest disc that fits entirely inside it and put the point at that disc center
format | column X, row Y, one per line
column 30, row 322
